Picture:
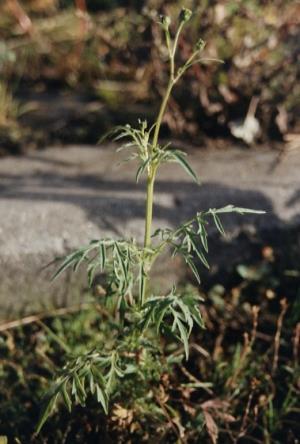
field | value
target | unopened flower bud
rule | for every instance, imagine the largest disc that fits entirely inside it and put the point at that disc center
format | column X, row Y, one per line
column 200, row 45
column 165, row 21
column 185, row 15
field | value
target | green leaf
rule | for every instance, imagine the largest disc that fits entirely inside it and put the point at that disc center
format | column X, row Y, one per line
column 81, row 259
column 68, row 261
column 91, row 272
column 102, row 253
column 192, row 266
column 92, row 382
column 121, row 261
column 102, row 398
column 186, row 312
column 179, row 157
column 66, row 396
column 79, row 388
column 183, row 337
column 233, row 209
column 141, row 169
column 218, row 223
column 48, row 410
column 161, row 314
column 203, row 234
column 198, row 251
column 142, row 280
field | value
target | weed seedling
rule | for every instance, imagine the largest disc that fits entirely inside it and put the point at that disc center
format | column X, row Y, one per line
column 141, row 318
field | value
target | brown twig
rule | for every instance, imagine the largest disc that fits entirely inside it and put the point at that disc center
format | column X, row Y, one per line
column 170, row 420
column 218, row 343
column 255, row 311
column 82, row 13
column 243, row 428
column 19, row 13
column 200, row 350
column 38, row 317
column 193, row 378
column 296, row 344
column 284, row 307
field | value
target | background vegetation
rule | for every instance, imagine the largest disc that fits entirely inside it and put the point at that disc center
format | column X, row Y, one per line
column 103, row 52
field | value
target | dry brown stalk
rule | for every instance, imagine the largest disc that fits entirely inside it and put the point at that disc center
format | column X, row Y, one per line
column 296, row 344
column 284, row 306
column 21, row 16
column 38, row 317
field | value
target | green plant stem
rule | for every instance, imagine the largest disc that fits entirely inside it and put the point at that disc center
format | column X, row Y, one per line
column 148, row 224
column 151, row 177
column 161, row 112
column 152, row 171
column 149, row 209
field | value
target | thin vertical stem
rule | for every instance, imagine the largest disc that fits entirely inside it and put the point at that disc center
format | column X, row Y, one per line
column 149, row 209
column 161, row 112
column 152, row 169
column 148, row 224
column 151, row 180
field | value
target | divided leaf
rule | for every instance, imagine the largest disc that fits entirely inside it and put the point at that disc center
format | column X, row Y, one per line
column 191, row 238
column 118, row 257
column 90, row 374
column 181, row 311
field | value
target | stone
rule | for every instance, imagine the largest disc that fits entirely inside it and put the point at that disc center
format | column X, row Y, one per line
column 58, row 199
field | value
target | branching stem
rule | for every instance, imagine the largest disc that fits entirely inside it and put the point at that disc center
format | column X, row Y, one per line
column 152, row 169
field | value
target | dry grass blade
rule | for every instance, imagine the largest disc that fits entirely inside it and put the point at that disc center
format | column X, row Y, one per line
column 284, row 307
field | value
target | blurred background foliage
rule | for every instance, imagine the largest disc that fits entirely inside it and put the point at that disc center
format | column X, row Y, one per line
column 107, row 51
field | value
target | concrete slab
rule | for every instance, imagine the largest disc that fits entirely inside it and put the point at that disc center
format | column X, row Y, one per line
column 55, row 200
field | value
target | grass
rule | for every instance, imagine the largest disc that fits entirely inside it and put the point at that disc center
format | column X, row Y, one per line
column 241, row 382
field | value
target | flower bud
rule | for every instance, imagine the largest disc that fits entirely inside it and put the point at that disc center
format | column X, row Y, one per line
column 165, row 22
column 185, row 15
column 200, row 45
